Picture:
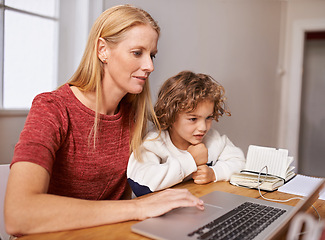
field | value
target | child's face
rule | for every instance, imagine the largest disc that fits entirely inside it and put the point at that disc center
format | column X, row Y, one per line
column 191, row 127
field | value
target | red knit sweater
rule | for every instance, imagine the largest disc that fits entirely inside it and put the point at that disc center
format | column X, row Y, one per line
column 56, row 137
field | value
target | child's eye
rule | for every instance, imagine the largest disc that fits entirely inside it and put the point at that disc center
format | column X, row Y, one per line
column 210, row 118
column 192, row 119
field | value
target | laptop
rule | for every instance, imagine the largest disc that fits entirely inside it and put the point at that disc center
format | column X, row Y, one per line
column 191, row 223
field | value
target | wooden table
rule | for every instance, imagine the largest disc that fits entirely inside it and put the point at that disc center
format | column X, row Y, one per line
column 123, row 230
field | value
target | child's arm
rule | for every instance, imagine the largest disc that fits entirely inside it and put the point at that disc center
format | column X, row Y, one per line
column 226, row 158
column 204, row 174
column 159, row 168
column 199, row 152
column 151, row 174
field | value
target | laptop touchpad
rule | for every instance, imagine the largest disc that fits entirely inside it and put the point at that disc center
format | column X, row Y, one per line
column 192, row 212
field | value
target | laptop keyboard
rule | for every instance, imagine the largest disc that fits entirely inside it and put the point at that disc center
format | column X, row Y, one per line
column 243, row 222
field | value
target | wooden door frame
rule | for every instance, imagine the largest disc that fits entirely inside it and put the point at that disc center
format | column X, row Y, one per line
column 289, row 128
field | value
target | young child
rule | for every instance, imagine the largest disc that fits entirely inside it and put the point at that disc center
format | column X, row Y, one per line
column 187, row 146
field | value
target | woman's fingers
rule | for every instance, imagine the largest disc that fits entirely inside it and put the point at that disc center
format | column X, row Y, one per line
column 162, row 202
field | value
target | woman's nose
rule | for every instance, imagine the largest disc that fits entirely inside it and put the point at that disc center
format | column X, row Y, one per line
column 147, row 65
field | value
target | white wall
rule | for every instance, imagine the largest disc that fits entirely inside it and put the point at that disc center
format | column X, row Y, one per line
column 76, row 19
column 237, row 42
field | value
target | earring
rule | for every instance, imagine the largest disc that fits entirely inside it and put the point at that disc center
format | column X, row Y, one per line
column 104, row 60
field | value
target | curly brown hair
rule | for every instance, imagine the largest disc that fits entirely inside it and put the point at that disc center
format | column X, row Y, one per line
column 183, row 92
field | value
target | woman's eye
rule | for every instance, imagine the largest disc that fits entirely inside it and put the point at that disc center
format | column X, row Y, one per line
column 153, row 56
column 210, row 118
column 137, row 53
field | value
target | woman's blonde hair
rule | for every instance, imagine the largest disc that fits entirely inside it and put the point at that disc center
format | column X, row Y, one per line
column 183, row 92
column 112, row 25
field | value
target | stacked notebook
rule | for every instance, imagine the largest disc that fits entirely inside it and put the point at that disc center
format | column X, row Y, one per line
column 273, row 165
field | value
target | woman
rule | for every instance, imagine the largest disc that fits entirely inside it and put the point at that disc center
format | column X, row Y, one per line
column 73, row 151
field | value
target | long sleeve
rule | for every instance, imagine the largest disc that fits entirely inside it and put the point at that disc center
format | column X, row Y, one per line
column 224, row 157
column 161, row 166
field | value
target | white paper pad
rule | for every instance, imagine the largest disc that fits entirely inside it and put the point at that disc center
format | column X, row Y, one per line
column 301, row 185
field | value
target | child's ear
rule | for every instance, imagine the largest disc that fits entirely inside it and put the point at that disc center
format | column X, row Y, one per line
column 102, row 50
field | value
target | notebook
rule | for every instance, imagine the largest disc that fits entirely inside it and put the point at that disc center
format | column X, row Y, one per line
column 191, row 223
column 276, row 163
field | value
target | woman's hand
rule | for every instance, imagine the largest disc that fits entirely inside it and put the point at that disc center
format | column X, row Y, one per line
column 203, row 175
column 162, row 202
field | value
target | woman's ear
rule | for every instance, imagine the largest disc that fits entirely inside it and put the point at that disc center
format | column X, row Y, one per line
column 102, row 50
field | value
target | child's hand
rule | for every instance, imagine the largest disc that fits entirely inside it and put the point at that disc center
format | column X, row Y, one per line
column 199, row 152
column 204, row 174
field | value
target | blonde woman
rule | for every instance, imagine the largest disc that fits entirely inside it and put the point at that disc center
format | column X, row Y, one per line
column 69, row 166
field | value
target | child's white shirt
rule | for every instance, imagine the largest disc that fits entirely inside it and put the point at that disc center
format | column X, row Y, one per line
column 162, row 165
